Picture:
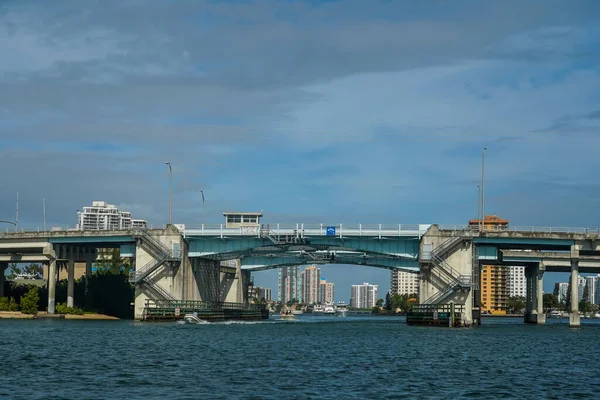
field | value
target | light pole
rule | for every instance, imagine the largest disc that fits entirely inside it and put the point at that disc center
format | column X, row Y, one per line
column 44, row 212
column 483, row 189
column 170, row 193
column 478, row 204
column 202, row 193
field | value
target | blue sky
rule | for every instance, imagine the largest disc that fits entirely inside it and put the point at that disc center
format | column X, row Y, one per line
column 313, row 111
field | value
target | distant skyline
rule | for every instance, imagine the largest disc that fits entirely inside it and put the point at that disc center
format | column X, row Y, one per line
column 313, row 111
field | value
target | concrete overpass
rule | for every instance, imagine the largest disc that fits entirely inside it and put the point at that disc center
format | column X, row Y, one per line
column 451, row 259
column 179, row 263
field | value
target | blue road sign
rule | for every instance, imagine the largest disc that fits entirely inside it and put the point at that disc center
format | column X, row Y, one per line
column 331, row 231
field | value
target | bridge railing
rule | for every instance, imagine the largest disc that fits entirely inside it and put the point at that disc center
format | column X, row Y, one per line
column 68, row 228
column 301, row 230
column 533, row 229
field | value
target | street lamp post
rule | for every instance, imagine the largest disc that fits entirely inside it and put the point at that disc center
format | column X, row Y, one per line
column 202, row 193
column 483, row 189
column 478, row 204
column 170, row 193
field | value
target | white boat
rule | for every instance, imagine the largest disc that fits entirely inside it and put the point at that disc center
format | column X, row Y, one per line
column 287, row 315
column 24, row 276
column 329, row 310
column 192, row 319
column 318, row 309
column 297, row 312
column 341, row 311
column 555, row 314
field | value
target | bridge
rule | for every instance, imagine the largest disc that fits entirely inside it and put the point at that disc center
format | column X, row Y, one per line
column 213, row 263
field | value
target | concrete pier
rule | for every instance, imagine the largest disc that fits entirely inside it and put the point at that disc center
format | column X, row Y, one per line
column 541, row 317
column 2, row 271
column 70, row 282
column 52, row 286
column 574, row 321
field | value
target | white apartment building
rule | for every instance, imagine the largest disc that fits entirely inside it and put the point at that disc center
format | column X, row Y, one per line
column 311, row 277
column 102, row 216
column 591, row 282
column 563, row 291
column 289, row 284
column 363, row 296
column 517, row 284
column 326, row 292
column 402, row 282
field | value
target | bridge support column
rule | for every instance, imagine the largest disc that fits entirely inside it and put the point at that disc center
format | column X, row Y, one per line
column 88, row 272
column 541, row 317
column 2, row 269
column 52, row 286
column 529, row 295
column 70, row 281
column 574, row 321
column 240, row 281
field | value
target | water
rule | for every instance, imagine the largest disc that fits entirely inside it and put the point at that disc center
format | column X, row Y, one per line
column 311, row 358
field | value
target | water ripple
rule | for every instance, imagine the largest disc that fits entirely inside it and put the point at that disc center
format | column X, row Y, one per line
column 311, row 358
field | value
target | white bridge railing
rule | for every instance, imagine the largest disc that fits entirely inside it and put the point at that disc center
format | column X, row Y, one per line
column 304, row 230
column 532, row 229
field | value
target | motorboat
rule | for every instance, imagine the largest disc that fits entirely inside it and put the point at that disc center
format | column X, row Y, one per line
column 555, row 314
column 297, row 312
column 341, row 311
column 318, row 309
column 329, row 310
column 192, row 318
column 287, row 315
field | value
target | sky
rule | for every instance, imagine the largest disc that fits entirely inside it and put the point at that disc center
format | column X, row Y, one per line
column 312, row 111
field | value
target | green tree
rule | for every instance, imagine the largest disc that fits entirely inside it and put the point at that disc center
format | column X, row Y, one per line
column 379, row 303
column 14, row 270
column 516, row 304
column 8, row 304
column 568, row 297
column 113, row 264
column 388, row 301
column 550, row 301
column 29, row 302
column 34, row 269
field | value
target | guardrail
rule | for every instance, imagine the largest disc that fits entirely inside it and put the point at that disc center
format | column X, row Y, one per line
column 532, row 229
column 304, row 230
column 322, row 229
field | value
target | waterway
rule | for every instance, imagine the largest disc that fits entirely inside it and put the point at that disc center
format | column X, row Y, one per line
column 362, row 357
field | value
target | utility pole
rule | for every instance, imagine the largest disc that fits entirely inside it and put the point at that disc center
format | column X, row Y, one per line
column 479, row 204
column 483, row 189
column 17, row 216
column 170, row 193
column 202, row 192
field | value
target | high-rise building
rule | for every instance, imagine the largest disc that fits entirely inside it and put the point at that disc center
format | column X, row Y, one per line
column 288, row 284
column 517, row 284
column 311, row 277
column 402, row 282
column 326, row 292
column 580, row 286
column 494, row 289
column 363, row 296
column 563, row 291
column 101, row 216
column 591, row 285
column 265, row 293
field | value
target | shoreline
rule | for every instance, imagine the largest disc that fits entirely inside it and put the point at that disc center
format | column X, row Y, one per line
column 45, row 315
column 502, row 316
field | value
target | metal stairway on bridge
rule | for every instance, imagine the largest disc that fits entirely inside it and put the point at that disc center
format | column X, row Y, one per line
column 446, row 278
column 266, row 232
column 161, row 255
